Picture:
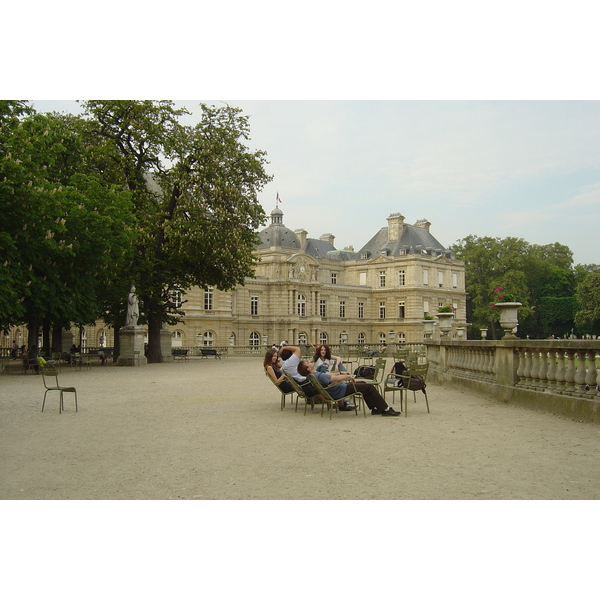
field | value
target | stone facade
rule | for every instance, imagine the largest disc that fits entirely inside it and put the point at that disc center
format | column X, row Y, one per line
column 305, row 290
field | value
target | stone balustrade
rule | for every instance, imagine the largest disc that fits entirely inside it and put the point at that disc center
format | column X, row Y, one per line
column 559, row 376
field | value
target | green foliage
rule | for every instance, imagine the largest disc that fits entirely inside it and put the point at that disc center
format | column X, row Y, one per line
column 195, row 196
column 588, row 296
column 63, row 233
column 519, row 268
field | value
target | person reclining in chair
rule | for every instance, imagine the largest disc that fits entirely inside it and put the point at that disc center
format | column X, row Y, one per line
column 372, row 397
column 291, row 356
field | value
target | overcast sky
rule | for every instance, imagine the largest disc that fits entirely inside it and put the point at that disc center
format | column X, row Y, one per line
column 529, row 169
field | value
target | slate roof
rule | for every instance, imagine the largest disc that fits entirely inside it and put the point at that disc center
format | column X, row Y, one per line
column 414, row 240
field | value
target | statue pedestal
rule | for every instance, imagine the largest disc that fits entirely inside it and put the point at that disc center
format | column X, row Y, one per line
column 165, row 345
column 132, row 340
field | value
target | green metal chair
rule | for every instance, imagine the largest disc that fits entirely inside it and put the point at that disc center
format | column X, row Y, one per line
column 300, row 393
column 283, row 394
column 391, row 385
column 50, row 379
column 353, row 395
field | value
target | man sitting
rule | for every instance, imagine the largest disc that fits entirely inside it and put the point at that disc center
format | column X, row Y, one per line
column 372, row 397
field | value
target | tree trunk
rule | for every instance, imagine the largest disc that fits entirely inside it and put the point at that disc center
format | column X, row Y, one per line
column 154, row 354
column 57, row 339
column 32, row 333
column 117, row 344
column 46, row 338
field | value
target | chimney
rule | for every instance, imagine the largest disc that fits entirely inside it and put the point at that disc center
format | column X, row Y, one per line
column 423, row 223
column 395, row 227
column 327, row 237
column 301, row 233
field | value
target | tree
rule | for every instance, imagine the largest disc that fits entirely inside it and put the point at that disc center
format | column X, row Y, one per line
column 521, row 269
column 194, row 192
column 588, row 296
column 69, row 229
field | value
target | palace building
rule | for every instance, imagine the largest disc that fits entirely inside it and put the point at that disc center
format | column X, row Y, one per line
column 306, row 291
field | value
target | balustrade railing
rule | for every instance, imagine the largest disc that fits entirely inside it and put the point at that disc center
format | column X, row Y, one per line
column 564, row 367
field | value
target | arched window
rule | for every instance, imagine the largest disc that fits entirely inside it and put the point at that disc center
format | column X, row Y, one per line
column 361, row 339
column 177, row 339
column 401, row 338
column 208, row 338
column 381, row 338
column 254, row 339
column 302, row 339
column 301, row 305
column 322, row 338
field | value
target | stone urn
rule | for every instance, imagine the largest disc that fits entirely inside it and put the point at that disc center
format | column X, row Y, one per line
column 445, row 323
column 509, row 318
column 428, row 325
column 483, row 333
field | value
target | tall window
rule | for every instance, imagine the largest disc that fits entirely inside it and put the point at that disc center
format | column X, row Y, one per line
column 361, row 310
column 302, row 339
column 209, row 298
column 208, row 338
column 301, row 305
column 254, row 305
column 401, row 310
column 401, row 278
column 334, row 278
column 454, row 280
column 254, row 339
column 342, row 309
column 425, row 277
column 441, row 278
column 176, row 298
column 381, row 279
column 361, row 338
column 426, row 307
column 362, row 278
column 381, row 338
column 382, row 310
column 322, row 338
column 322, row 308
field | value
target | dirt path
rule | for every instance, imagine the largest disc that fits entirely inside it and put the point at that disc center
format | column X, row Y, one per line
column 212, row 429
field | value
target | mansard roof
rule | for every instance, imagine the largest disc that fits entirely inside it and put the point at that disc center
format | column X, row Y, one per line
column 414, row 240
column 318, row 248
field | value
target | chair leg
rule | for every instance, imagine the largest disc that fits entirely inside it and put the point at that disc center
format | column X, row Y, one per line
column 44, row 402
column 426, row 401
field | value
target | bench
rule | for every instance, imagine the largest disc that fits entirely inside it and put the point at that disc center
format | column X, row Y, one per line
column 206, row 352
column 180, row 353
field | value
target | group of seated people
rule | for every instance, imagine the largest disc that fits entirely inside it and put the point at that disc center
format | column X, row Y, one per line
column 328, row 370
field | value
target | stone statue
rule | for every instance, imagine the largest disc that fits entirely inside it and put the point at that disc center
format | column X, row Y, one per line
column 133, row 309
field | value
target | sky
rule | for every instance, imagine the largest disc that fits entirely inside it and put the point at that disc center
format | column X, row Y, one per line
column 527, row 169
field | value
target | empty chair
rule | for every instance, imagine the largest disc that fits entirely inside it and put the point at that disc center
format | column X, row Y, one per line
column 50, row 379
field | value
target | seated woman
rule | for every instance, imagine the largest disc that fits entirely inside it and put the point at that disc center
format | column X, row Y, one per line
column 273, row 368
column 325, row 362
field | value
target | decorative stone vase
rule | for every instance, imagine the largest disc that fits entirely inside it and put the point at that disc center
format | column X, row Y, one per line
column 483, row 333
column 509, row 318
column 445, row 323
column 460, row 332
column 428, row 325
